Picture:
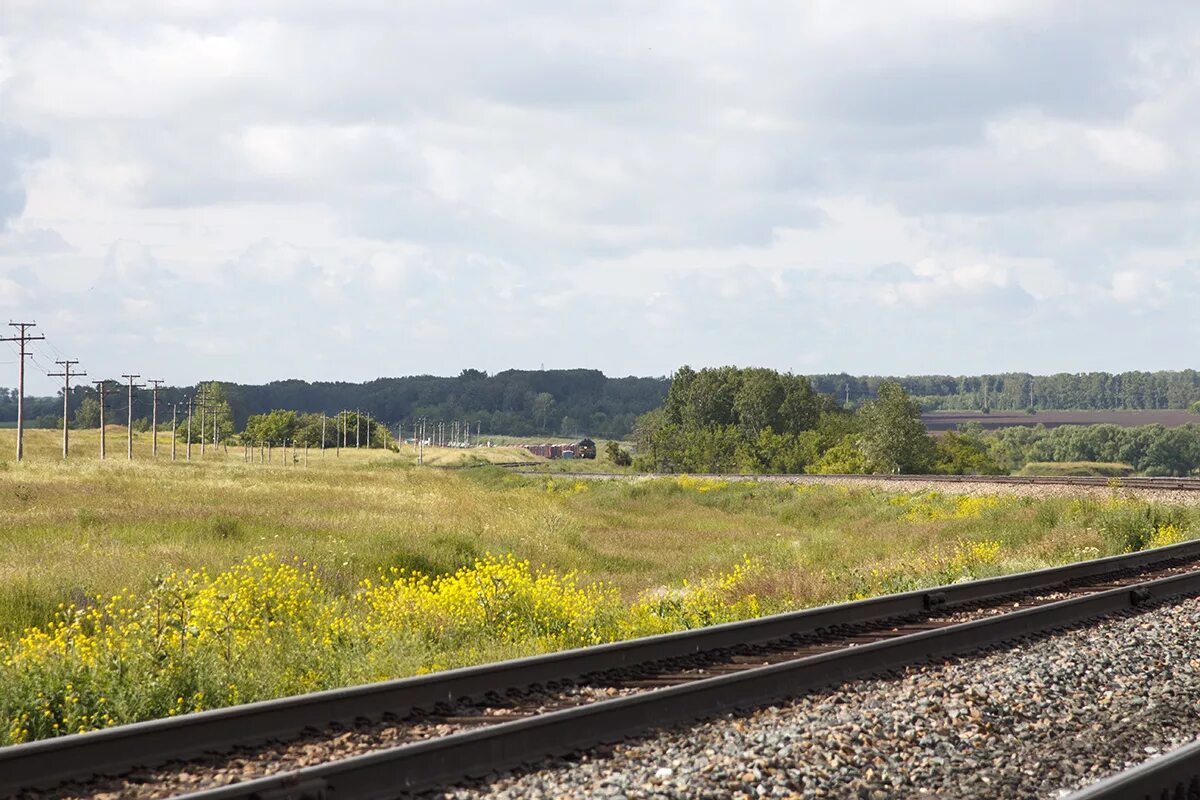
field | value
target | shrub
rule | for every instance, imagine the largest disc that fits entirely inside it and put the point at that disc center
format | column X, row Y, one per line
column 1130, row 525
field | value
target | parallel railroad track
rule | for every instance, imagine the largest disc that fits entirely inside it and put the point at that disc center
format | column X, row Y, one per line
column 417, row 733
column 1174, row 775
column 1169, row 484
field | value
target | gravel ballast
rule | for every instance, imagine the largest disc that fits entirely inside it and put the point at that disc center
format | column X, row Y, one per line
column 1035, row 720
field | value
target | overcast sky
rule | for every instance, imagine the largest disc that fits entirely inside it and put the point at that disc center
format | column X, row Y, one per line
column 344, row 190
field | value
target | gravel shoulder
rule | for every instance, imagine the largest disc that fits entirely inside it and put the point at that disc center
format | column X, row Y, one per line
column 1034, row 490
column 1035, row 720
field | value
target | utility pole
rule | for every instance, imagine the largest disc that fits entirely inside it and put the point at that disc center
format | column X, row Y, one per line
column 201, row 403
column 322, row 434
column 66, row 375
column 189, row 428
column 357, row 429
column 102, row 388
column 368, row 431
column 174, row 417
column 129, row 429
column 22, row 338
column 154, row 418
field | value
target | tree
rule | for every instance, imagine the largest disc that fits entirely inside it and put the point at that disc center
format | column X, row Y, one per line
column 87, row 414
column 963, row 454
column 894, row 438
column 541, row 408
column 617, row 455
column 218, row 404
column 844, row 458
column 275, row 428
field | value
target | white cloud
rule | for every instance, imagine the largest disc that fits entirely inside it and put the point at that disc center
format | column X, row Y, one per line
column 1139, row 290
column 808, row 184
column 932, row 282
column 12, row 294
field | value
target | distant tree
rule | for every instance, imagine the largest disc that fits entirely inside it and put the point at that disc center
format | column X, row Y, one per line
column 217, row 399
column 963, row 454
column 276, row 427
column 569, row 427
column 894, row 438
column 844, row 458
column 1195, row 407
column 542, row 407
column 618, row 455
column 87, row 414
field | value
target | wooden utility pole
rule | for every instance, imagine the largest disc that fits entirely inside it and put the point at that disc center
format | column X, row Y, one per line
column 201, row 402
column 101, row 388
column 357, row 429
column 130, row 420
column 66, row 375
column 22, row 338
column 174, row 418
column 189, row 428
column 368, row 431
column 322, row 434
column 154, row 418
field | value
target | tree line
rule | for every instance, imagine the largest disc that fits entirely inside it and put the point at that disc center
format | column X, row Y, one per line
column 1015, row 391
column 586, row 402
column 728, row 419
column 549, row 403
column 760, row 421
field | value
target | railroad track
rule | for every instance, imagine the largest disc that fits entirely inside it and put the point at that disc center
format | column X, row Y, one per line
column 398, row 737
column 1175, row 775
column 1169, row 484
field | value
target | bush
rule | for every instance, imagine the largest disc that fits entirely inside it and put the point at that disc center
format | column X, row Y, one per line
column 1132, row 525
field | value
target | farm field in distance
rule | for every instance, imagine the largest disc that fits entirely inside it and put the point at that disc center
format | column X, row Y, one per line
column 940, row 421
column 159, row 587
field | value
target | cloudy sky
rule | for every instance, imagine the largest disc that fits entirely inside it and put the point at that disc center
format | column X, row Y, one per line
column 343, row 190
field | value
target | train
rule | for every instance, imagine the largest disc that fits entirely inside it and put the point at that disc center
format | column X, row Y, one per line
column 584, row 448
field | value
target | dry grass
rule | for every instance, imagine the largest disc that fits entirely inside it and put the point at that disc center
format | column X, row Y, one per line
column 69, row 530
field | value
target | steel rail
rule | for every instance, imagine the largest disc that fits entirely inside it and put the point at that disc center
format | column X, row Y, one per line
column 1176, row 774
column 1132, row 482
column 474, row 754
column 53, row 761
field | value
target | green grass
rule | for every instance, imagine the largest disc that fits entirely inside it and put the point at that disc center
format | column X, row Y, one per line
column 71, row 532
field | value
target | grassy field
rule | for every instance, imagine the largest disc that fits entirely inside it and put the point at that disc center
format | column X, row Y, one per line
column 163, row 587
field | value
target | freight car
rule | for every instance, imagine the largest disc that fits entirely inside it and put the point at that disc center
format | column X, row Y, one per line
column 585, row 448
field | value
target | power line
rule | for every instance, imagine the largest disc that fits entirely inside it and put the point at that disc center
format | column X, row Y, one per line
column 154, row 416
column 129, row 429
column 66, row 375
column 23, row 337
column 102, row 389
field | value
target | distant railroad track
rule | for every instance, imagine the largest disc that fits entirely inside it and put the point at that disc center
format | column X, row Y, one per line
column 1170, row 484
column 428, row 731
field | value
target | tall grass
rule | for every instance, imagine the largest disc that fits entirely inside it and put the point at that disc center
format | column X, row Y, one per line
column 251, row 581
